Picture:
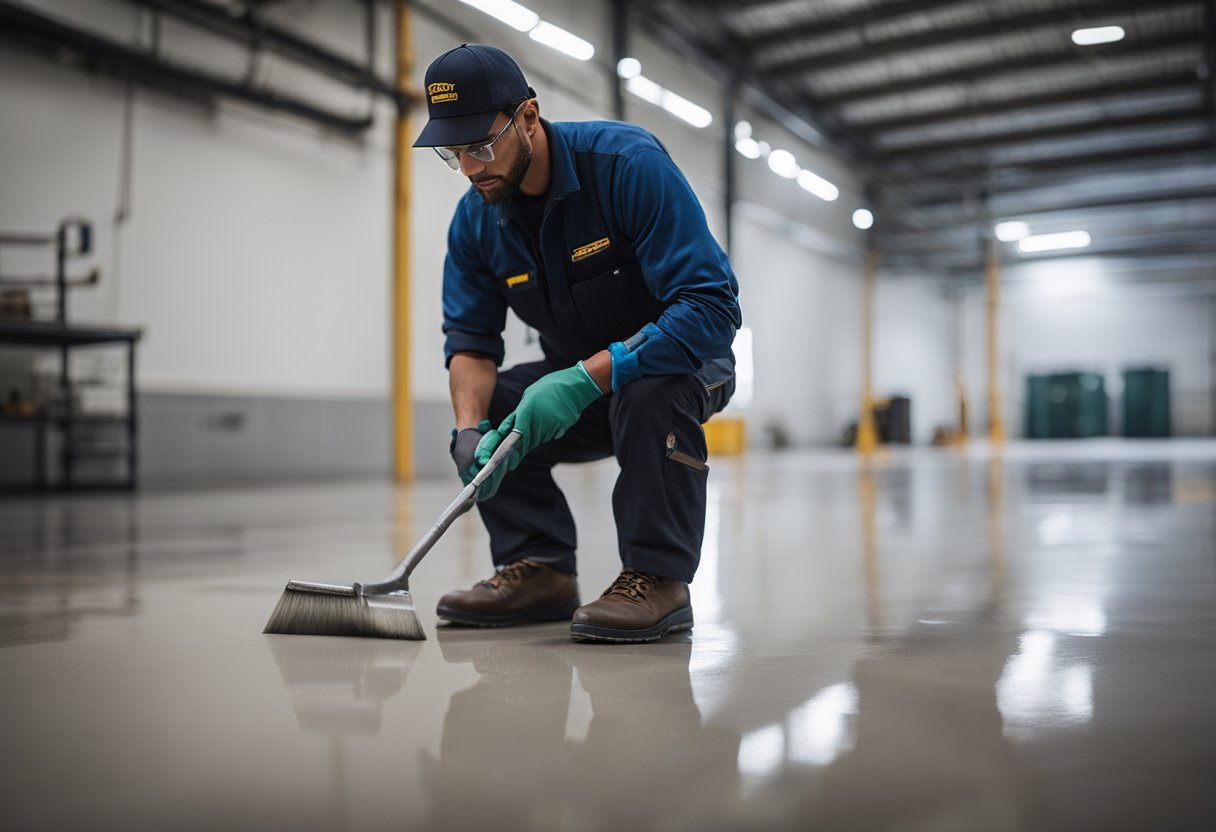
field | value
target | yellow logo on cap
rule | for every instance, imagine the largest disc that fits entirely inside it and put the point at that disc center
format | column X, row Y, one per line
column 442, row 92
column 583, row 252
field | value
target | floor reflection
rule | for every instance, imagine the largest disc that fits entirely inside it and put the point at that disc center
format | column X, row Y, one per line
column 502, row 738
column 929, row 737
column 646, row 745
column 65, row 563
column 914, row 737
column 339, row 692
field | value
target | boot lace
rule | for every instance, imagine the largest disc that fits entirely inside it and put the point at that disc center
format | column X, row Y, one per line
column 512, row 573
column 632, row 585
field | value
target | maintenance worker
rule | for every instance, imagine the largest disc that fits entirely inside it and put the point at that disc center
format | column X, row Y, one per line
column 592, row 236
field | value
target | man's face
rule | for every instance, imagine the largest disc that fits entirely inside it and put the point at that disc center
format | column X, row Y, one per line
column 498, row 181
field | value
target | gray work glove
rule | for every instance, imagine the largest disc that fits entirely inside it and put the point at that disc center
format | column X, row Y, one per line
column 464, row 450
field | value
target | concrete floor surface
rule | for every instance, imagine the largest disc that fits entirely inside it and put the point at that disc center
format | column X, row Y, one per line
column 939, row 640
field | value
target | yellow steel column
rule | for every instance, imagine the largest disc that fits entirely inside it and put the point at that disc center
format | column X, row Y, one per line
column 403, row 407
column 960, row 386
column 996, row 429
column 867, row 439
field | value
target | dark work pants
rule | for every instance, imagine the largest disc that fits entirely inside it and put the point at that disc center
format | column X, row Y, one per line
column 658, row 501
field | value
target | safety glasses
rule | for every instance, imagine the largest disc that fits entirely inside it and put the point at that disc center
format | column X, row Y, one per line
column 483, row 152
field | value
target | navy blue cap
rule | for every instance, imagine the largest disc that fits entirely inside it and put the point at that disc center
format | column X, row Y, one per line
column 465, row 89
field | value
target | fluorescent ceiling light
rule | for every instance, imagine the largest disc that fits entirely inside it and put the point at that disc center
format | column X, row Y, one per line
column 563, row 41
column 682, row 108
column 743, row 130
column 512, row 14
column 628, row 68
column 1011, row 231
column 677, row 105
column 783, row 163
column 863, row 218
column 819, row 186
column 645, row 89
column 764, row 147
column 1053, row 242
column 1099, row 34
column 749, row 147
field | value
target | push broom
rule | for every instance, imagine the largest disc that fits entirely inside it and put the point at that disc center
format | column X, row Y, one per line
column 375, row 610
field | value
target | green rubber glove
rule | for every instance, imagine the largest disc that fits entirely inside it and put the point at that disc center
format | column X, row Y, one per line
column 549, row 407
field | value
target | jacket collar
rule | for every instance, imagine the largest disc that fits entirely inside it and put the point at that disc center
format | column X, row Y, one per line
column 561, row 160
column 563, row 177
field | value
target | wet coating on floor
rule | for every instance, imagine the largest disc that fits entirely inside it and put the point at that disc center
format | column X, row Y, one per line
column 937, row 640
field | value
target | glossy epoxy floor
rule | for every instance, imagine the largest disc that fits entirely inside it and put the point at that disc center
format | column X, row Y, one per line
column 939, row 641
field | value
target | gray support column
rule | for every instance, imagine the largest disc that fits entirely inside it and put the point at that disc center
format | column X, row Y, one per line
column 728, row 164
column 620, row 49
column 1209, row 63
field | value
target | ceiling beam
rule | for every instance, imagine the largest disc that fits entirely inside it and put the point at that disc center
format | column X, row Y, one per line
column 716, row 5
column 727, row 60
column 999, row 66
column 865, row 16
column 1094, row 203
column 1172, row 115
column 1106, row 231
column 947, row 35
column 961, row 259
column 1087, row 93
column 983, row 174
column 1195, row 165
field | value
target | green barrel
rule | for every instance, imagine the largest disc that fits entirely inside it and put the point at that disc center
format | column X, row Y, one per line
column 1146, row 402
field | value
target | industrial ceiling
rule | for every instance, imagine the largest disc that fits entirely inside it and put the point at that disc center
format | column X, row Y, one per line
column 962, row 113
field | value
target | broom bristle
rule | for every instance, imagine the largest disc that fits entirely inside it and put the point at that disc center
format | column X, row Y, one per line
column 316, row 612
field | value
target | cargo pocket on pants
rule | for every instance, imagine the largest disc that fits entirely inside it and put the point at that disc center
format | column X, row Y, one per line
column 676, row 455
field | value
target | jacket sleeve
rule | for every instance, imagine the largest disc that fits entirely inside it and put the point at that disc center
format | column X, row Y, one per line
column 683, row 266
column 474, row 312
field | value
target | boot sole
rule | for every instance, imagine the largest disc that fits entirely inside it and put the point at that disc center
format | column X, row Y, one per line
column 676, row 622
column 553, row 611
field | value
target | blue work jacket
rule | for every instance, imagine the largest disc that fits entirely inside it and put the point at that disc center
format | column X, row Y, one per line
column 626, row 263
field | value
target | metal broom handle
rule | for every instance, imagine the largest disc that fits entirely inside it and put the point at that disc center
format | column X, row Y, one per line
column 464, row 501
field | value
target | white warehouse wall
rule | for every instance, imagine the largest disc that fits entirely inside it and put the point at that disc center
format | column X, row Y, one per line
column 914, row 352
column 1081, row 314
column 257, row 250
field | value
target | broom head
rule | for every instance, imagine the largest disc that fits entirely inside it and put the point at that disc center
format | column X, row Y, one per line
column 308, row 609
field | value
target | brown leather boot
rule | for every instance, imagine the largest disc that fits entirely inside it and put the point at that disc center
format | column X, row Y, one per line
column 520, row 593
column 637, row 607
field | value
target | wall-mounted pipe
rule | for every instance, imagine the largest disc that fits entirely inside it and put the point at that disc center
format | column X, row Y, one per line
column 104, row 55
column 248, row 27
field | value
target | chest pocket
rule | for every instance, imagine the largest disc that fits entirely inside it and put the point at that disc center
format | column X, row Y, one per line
column 615, row 304
column 525, row 296
column 606, row 284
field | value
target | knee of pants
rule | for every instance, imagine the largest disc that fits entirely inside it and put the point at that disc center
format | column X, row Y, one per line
column 657, row 398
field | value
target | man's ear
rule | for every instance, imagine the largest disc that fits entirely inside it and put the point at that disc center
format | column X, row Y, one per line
column 532, row 113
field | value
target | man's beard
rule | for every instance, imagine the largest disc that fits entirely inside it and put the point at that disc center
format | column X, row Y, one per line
column 509, row 186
